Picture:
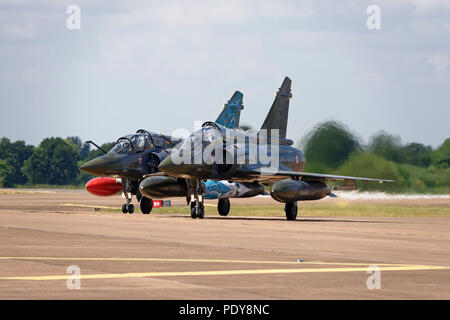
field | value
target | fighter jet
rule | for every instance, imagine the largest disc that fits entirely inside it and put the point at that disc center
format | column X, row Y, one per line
column 266, row 158
column 134, row 155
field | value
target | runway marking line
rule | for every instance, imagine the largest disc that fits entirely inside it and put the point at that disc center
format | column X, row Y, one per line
column 85, row 206
column 201, row 260
column 383, row 267
column 217, row 273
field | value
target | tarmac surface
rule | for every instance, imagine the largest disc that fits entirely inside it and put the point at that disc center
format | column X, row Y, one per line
column 165, row 256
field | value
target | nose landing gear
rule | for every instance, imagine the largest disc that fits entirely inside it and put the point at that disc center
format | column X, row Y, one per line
column 126, row 194
column 197, row 206
column 128, row 208
column 197, row 211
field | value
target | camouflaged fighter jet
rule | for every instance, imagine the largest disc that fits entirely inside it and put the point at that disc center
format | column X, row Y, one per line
column 135, row 155
column 266, row 158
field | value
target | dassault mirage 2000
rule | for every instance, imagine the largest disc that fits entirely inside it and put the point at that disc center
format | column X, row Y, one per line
column 135, row 155
column 266, row 158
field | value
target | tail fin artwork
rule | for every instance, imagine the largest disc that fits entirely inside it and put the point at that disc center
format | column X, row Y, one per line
column 231, row 113
column 277, row 117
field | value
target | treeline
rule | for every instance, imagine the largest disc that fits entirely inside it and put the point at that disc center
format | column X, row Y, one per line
column 330, row 147
column 54, row 162
column 333, row 148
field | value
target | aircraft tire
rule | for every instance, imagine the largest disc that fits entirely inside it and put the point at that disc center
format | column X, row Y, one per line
column 291, row 210
column 146, row 205
column 124, row 208
column 130, row 208
column 200, row 211
column 223, row 206
column 193, row 211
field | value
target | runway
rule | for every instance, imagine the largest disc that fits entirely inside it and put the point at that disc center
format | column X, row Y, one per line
column 168, row 256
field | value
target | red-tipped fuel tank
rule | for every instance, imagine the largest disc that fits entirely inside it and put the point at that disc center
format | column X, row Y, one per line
column 103, row 187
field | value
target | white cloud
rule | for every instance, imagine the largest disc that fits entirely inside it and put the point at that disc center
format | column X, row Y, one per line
column 440, row 61
column 425, row 6
column 201, row 13
column 420, row 7
column 26, row 30
column 298, row 9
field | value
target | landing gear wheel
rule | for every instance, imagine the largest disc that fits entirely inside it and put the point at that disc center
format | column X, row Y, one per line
column 124, row 208
column 200, row 211
column 130, row 208
column 193, row 211
column 291, row 210
column 223, row 207
column 146, row 205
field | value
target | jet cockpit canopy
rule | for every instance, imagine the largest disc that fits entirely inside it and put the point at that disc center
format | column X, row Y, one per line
column 140, row 141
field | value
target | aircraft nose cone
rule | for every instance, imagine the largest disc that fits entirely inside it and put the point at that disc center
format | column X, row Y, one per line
column 168, row 166
column 95, row 166
column 184, row 170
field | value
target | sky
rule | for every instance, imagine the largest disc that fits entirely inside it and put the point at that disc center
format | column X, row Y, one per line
column 162, row 65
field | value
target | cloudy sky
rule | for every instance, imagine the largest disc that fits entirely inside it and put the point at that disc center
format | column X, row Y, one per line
column 161, row 65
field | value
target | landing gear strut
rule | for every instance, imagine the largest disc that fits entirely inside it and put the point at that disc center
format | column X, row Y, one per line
column 223, row 206
column 126, row 194
column 291, row 210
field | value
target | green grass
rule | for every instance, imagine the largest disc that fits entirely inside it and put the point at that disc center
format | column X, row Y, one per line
column 377, row 210
column 324, row 210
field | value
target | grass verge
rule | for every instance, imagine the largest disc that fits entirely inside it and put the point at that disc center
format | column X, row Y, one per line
column 322, row 210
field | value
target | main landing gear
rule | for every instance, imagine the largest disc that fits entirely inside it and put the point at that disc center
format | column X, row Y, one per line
column 223, row 207
column 146, row 205
column 291, row 210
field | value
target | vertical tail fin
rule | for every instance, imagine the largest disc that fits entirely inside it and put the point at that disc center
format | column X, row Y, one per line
column 277, row 117
column 231, row 113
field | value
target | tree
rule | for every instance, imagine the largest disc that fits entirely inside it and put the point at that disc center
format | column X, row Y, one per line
column 416, row 154
column 75, row 140
column 97, row 152
column 329, row 144
column 14, row 154
column 441, row 156
column 5, row 173
column 390, row 148
column 365, row 164
column 387, row 146
column 81, row 148
column 53, row 162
